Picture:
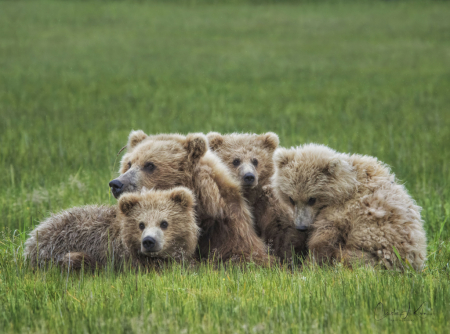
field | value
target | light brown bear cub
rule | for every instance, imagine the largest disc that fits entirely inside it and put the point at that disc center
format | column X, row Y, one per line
column 356, row 210
column 250, row 159
column 141, row 229
column 168, row 160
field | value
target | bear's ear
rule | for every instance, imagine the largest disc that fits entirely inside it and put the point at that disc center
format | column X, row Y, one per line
column 135, row 138
column 182, row 196
column 128, row 202
column 282, row 157
column 270, row 141
column 215, row 140
column 338, row 166
column 333, row 166
column 196, row 145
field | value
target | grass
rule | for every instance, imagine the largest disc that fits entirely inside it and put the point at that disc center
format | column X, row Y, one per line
column 77, row 76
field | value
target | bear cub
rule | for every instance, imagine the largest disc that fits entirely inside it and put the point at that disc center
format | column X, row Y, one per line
column 250, row 160
column 142, row 229
column 352, row 204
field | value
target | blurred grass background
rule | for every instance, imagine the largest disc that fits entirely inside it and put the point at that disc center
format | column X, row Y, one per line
column 77, row 76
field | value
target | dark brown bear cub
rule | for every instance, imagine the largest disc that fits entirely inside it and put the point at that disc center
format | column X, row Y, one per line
column 250, row 159
column 143, row 228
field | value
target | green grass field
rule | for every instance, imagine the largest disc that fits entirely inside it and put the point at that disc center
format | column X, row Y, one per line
column 77, row 76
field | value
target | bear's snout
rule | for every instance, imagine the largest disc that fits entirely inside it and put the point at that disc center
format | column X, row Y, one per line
column 248, row 175
column 249, row 179
column 149, row 244
column 116, row 187
column 302, row 228
column 152, row 240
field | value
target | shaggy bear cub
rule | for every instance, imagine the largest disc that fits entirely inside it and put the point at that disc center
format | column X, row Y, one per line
column 355, row 208
column 250, row 160
column 141, row 229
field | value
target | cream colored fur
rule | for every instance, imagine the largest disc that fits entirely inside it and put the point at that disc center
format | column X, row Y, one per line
column 358, row 213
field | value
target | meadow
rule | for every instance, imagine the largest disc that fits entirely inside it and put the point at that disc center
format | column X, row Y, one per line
column 362, row 77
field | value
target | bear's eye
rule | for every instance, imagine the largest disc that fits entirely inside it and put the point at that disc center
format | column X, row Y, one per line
column 149, row 166
column 164, row 224
column 236, row 162
column 129, row 164
column 291, row 200
column 311, row 201
column 141, row 226
column 255, row 162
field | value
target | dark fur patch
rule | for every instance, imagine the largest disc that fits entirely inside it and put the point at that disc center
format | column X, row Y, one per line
column 196, row 146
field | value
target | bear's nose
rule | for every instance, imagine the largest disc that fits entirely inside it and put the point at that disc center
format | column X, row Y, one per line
column 116, row 187
column 249, row 178
column 149, row 243
column 302, row 228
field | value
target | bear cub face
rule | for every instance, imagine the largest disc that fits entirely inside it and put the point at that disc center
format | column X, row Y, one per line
column 310, row 178
column 160, row 161
column 159, row 223
column 248, row 156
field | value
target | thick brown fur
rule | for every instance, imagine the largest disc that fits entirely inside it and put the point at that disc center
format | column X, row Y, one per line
column 223, row 214
column 94, row 236
column 252, row 154
column 355, row 208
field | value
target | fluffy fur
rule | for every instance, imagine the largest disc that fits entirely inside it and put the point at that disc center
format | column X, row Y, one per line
column 96, row 235
column 251, row 156
column 355, row 208
column 168, row 160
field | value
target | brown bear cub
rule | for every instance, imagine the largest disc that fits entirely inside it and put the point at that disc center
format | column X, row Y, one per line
column 168, row 160
column 356, row 210
column 250, row 159
column 141, row 230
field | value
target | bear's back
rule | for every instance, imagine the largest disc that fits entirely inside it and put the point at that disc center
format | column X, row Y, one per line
column 88, row 229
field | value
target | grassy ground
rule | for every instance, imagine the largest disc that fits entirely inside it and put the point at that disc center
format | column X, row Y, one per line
column 76, row 77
